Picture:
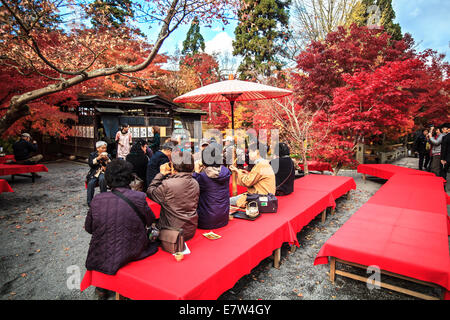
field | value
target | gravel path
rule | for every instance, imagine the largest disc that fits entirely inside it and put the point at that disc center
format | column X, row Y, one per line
column 44, row 245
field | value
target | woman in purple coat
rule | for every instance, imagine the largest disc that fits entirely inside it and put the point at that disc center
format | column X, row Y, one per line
column 214, row 181
column 119, row 233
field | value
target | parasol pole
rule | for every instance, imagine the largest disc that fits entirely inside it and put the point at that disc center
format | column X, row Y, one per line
column 234, row 175
column 232, row 98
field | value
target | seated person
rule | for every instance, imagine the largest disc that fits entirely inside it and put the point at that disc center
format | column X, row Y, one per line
column 198, row 155
column 24, row 150
column 118, row 233
column 159, row 158
column 284, row 170
column 97, row 162
column 138, row 158
column 260, row 180
column 214, row 181
column 177, row 192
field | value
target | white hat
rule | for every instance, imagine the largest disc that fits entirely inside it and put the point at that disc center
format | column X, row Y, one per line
column 229, row 138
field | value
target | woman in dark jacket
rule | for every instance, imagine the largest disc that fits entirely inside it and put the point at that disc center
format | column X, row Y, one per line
column 156, row 139
column 284, row 171
column 214, row 181
column 138, row 158
column 119, row 236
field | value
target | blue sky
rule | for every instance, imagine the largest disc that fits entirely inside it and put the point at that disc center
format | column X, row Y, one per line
column 427, row 20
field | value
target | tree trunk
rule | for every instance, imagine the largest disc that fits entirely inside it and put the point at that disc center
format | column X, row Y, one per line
column 18, row 105
column 305, row 163
column 337, row 168
column 14, row 113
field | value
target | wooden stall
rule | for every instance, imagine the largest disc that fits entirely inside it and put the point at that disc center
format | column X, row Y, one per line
column 100, row 119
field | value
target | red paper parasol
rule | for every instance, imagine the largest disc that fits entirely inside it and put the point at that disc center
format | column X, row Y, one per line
column 231, row 91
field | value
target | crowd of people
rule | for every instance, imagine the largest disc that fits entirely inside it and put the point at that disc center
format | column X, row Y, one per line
column 433, row 148
column 193, row 190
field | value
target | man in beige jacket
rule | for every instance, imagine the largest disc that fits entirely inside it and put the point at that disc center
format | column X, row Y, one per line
column 260, row 180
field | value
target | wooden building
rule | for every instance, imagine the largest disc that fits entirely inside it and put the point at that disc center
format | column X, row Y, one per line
column 100, row 119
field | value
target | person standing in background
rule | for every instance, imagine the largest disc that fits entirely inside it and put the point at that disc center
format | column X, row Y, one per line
column 156, row 139
column 445, row 152
column 436, row 141
column 124, row 141
column 420, row 146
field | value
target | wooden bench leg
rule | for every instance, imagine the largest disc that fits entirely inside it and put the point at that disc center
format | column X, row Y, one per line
column 324, row 215
column 277, row 258
column 364, row 177
column 119, row 297
column 348, row 195
column 292, row 248
column 332, row 269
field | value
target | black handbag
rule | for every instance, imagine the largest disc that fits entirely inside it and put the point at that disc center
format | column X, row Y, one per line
column 267, row 203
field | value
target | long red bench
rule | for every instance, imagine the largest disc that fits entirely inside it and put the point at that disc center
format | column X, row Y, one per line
column 387, row 170
column 6, row 158
column 4, row 186
column 316, row 166
column 214, row 266
column 403, row 230
column 20, row 169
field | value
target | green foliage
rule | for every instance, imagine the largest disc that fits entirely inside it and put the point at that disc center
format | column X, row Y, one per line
column 386, row 16
column 261, row 36
column 7, row 144
column 114, row 11
column 194, row 39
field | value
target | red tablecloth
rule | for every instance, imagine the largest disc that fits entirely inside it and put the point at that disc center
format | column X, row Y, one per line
column 423, row 193
column 317, row 166
column 337, row 185
column 11, row 169
column 4, row 186
column 6, row 158
column 214, row 266
column 403, row 241
column 386, row 171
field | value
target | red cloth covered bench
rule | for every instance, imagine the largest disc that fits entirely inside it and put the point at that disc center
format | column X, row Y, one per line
column 317, row 166
column 8, row 157
column 387, row 170
column 4, row 186
column 20, row 169
column 214, row 266
column 403, row 230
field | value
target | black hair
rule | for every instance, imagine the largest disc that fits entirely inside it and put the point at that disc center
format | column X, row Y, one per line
column 212, row 155
column 283, row 149
column 182, row 161
column 137, row 146
column 118, row 173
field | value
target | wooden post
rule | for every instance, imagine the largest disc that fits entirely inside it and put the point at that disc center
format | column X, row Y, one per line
column 119, row 297
column 364, row 177
column 293, row 248
column 348, row 195
column 332, row 269
column 277, row 258
column 234, row 175
column 324, row 215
